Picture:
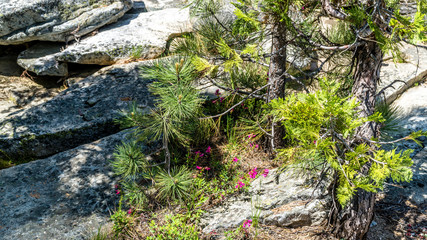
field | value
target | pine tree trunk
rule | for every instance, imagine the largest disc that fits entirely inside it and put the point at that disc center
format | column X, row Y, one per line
column 275, row 77
column 354, row 220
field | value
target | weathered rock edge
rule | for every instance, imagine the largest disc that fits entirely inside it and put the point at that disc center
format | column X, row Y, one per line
column 404, row 75
column 66, row 196
column 56, row 20
column 81, row 114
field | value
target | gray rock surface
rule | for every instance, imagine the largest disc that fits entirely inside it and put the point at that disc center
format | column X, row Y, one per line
column 81, row 114
column 39, row 59
column 413, row 70
column 412, row 116
column 55, row 20
column 155, row 5
column 66, row 196
column 282, row 203
column 140, row 36
column 412, row 106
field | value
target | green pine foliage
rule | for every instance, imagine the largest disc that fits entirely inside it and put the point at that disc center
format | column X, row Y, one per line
column 129, row 160
column 176, row 186
column 320, row 125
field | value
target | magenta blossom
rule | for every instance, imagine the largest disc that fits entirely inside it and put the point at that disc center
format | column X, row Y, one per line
column 217, row 92
column 207, row 168
column 198, row 152
column 221, row 99
column 266, row 171
column 247, row 223
column 253, row 173
column 199, row 168
column 117, row 192
column 130, row 211
column 201, row 155
column 256, row 146
column 208, row 150
column 240, row 184
column 235, row 159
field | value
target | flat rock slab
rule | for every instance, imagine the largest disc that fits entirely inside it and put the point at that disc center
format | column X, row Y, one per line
column 401, row 76
column 141, row 36
column 66, row 196
column 55, row 20
column 83, row 113
column 40, row 60
column 283, row 203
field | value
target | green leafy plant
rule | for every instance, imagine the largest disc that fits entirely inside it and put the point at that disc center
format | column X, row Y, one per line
column 123, row 222
column 321, row 125
column 173, row 227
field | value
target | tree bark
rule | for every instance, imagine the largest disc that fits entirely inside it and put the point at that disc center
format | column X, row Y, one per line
column 353, row 221
column 276, row 78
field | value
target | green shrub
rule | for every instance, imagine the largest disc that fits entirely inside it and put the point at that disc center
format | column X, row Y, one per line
column 123, row 222
column 175, row 227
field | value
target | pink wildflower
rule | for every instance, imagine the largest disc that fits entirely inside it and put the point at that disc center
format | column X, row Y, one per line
column 199, row 168
column 253, row 173
column 207, row 168
column 251, row 144
column 235, row 159
column 208, row 150
column 247, row 223
column 116, row 186
column 214, row 101
column 314, row 142
column 221, row 99
column 256, row 146
column 201, row 155
column 217, row 92
column 197, row 152
column 130, row 211
column 240, row 184
column 266, row 171
column 117, row 192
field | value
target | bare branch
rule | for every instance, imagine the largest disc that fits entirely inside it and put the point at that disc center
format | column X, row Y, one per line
column 262, row 129
column 235, row 105
column 331, row 11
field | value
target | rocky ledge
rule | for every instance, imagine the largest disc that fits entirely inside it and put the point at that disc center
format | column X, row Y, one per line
column 66, row 196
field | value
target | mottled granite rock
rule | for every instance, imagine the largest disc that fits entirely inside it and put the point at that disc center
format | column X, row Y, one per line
column 39, row 59
column 66, row 196
column 80, row 114
column 413, row 70
column 142, row 35
column 55, row 20
column 285, row 202
column 412, row 113
column 155, row 5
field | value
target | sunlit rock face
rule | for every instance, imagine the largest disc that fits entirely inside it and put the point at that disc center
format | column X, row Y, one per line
column 23, row 21
column 80, row 114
